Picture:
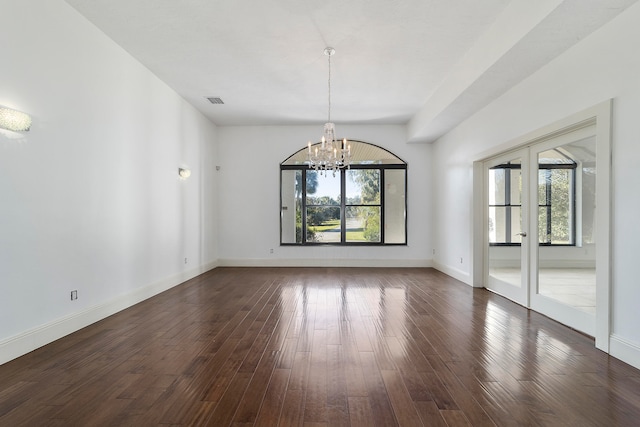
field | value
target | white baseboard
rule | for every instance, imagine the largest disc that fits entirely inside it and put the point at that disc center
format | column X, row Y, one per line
column 463, row 276
column 548, row 263
column 39, row 336
column 329, row 262
column 564, row 263
column 625, row 350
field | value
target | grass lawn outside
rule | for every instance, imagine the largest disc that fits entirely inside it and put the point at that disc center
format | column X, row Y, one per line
column 327, row 225
column 353, row 235
column 356, row 236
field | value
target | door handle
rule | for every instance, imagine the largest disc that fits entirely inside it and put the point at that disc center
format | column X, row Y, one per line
column 522, row 233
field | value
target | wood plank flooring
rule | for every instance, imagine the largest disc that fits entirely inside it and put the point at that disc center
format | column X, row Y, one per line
column 321, row 347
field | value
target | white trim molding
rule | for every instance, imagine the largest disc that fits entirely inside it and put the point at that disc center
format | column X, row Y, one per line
column 25, row 342
column 328, row 262
column 457, row 274
column 627, row 351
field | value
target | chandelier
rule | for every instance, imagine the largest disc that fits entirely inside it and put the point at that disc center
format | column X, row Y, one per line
column 330, row 154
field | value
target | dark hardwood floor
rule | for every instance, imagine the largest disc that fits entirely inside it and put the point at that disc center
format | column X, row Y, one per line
column 321, row 347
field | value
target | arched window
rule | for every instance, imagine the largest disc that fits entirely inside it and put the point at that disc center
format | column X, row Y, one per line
column 365, row 204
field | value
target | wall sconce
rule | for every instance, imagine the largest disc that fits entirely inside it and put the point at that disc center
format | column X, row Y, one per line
column 14, row 120
column 184, row 173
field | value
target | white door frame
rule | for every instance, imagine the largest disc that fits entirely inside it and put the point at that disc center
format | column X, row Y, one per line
column 600, row 115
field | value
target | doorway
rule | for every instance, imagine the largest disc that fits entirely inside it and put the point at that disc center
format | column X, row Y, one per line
column 545, row 231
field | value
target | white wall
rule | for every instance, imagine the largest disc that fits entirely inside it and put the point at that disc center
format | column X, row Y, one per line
column 605, row 65
column 90, row 197
column 250, row 195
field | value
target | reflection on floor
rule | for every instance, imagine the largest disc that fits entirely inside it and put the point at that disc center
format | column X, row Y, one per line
column 575, row 287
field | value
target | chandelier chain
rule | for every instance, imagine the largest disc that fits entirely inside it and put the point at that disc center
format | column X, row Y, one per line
column 330, row 154
column 329, row 89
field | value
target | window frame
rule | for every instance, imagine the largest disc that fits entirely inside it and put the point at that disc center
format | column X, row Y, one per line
column 381, row 167
column 548, row 206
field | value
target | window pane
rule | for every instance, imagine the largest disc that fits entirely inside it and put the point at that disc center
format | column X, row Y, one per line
column 516, row 224
column 394, row 206
column 587, row 192
column 496, row 186
column 323, row 190
column 497, row 224
column 516, row 186
column 561, row 206
column 291, row 209
column 543, row 177
column 323, row 224
column 361, row 153
column 363, row 187
column 556, row 156
column 504, row 224
column 555, row 189
column 543, row 218
column 363, row 224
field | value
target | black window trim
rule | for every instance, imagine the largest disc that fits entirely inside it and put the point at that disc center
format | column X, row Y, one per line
column 377, row 166
column 542, row 166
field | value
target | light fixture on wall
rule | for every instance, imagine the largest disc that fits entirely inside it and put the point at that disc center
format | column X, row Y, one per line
column 14, row 120
column 330, row 154
column 184, row 173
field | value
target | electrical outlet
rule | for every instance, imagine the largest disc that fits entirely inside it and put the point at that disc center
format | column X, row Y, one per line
column 460, row 260
column 185, row 260
column 271, row 250
column 434, row 251
column 74, row 295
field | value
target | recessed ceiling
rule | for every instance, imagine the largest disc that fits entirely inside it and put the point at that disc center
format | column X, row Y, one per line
column 428, row 64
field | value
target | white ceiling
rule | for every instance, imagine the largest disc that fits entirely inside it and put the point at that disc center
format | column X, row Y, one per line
column 428, row 64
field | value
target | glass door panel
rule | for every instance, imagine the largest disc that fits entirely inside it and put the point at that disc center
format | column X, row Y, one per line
column 563, row 280
column 556, row 191
column 505, row 197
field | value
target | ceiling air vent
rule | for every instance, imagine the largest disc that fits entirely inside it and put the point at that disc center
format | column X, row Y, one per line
column 215, row 100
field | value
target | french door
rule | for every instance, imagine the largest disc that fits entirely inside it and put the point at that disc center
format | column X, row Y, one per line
column 540, row 245
column 507, row 201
